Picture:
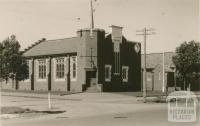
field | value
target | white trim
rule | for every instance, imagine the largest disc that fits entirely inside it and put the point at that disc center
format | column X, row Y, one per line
column 65, row 67
column 59, row 80
column 54, row 69
column 47, row 67
column 159, row 75
column 127, row 69
column 37, row 71
column 71, row 68
column 42, row 80
column 29, row 70
column 109, row 74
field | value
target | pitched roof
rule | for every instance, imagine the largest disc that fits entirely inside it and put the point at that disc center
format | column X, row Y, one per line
column 34, row 44
column 50, row 47
column 154, row 59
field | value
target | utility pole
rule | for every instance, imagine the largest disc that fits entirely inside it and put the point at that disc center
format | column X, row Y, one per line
column 92, row 18
column 163, row 73
column 144, row 32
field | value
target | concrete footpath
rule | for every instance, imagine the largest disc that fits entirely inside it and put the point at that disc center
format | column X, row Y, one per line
column 74, row 97
column 76, row 105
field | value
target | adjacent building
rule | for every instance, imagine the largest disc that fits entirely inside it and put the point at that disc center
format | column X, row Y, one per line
column 161, row 75
column 159, row 66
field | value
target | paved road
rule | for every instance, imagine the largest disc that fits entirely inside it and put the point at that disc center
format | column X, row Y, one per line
column 92, row 110
column 152, row 117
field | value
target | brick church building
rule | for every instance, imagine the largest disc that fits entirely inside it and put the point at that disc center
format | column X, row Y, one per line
column 90, row 61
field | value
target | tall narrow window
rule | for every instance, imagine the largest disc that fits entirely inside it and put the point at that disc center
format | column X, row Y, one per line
column 159, row 75
column 73, row 65
column 42, row 69
column 60, row 69
column 125, row 73
column 117, row 63
column 108, row 73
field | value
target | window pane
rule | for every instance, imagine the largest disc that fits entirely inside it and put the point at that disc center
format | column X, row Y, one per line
column 60, row 68
column 73, row 68
column 42, row 69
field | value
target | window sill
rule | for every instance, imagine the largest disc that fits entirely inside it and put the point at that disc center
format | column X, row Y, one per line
column 116, row 74
column 125, row 81
column 107, row 80
column 41, row 80
column 73, row 80
column 63, row 79
column 27, row 80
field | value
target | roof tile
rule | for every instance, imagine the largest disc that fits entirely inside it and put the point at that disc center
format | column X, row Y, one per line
column 50, row 47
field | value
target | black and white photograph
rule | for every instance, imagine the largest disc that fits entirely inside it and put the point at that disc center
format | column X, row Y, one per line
column 99, row 62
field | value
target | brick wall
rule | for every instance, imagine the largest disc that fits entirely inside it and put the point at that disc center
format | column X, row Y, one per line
column 128, row 57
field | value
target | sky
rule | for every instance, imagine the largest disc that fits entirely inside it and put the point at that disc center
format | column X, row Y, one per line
column 174, row 21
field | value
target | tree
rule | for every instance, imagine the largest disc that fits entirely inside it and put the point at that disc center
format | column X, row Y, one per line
column 13, row 64
column 1, row 63
column 187, row 61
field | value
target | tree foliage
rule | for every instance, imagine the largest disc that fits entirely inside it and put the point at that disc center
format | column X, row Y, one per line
column 13, row 64
column 187, row 60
